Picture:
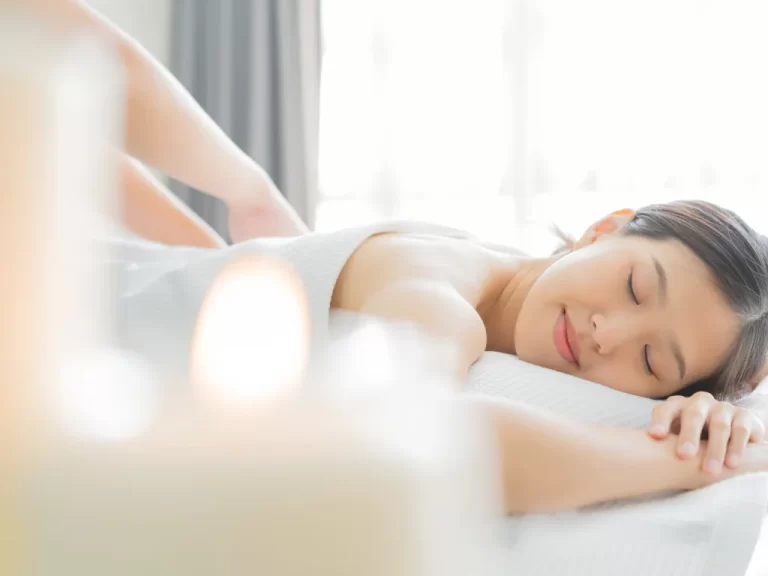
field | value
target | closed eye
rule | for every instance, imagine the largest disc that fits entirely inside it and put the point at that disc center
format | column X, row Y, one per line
column 647, row 362
column 631, row 289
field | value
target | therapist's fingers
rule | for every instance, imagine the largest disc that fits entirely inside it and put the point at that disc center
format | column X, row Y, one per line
column 720, row 422
column 693, row 418
column 663, row 415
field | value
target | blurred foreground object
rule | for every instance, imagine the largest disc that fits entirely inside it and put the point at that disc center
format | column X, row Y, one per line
column 380, row 472
column 59, row 112
column 252, row 337
column 377, row 475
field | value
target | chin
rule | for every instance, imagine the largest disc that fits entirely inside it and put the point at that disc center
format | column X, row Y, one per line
column 527, row 351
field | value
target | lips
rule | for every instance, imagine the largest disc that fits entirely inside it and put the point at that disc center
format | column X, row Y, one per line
column 565, row 339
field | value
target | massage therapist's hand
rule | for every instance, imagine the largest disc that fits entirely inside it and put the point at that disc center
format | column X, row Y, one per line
column 263, row 212
column 729, row 429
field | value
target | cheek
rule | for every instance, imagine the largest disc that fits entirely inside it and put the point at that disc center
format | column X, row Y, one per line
column 577, row 277
column 533, row 331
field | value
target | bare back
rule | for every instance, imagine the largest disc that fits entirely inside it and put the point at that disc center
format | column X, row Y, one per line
column 431, row 280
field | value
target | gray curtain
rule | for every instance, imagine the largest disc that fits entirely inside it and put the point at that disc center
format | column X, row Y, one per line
column 254, row 66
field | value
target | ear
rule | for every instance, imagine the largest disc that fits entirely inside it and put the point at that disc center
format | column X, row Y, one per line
column 605, row 226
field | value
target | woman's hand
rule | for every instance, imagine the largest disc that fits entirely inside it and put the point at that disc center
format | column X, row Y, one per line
column 729, row 429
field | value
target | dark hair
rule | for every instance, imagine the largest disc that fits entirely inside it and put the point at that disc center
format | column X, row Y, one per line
column 737, row 256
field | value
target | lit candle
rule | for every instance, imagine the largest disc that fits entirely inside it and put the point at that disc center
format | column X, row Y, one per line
column 361, row 481
column 21, row 182
column 252, row 338
column 58, row 112
column 252, row 478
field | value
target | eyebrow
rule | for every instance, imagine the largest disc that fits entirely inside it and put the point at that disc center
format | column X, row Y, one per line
column 662, row 274
column 676, row 352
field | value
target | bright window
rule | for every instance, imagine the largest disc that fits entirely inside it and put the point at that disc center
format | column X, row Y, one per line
column 506, row 116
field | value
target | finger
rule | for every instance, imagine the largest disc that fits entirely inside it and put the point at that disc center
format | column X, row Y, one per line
column 692, row 421
column 663, row 415
column 741, row 430
column 720, row 421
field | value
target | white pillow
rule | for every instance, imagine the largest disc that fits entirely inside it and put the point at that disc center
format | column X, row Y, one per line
column 709, row 532
column 507, row 376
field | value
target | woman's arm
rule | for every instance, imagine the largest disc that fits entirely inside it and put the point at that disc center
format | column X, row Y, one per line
column 729, row 428
column 439, row 309
column 148, row 209
column 549, row 463
column 168, row 130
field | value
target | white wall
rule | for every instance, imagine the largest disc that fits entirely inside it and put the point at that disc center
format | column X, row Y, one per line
column 149, row 21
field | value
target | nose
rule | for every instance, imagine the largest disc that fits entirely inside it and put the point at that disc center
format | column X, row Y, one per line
column 610, row 332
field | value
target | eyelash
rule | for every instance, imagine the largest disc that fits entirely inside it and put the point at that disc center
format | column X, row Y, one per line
column 633, row 295
column 631, row 290
column 647, row 362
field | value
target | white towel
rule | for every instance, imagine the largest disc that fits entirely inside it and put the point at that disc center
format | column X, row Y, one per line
column 709, row 532
column 161, row 288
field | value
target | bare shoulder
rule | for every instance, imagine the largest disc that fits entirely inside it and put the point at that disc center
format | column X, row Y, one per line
column 439, row 309
column 428, row 280
column 388, row 259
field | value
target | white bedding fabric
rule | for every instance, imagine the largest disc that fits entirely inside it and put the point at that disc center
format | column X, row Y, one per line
column 759, row 563
column 710, row 532
column 161, row 288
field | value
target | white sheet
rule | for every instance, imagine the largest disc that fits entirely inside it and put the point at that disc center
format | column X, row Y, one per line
column 710, row 532
column 161, row 288
column 758, row 565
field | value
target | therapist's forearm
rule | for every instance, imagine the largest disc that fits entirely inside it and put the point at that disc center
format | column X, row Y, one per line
column 549, row 463
column 148, row 209
column 165, row 127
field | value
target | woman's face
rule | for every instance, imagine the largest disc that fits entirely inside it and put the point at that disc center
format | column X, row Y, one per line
column 639, row 315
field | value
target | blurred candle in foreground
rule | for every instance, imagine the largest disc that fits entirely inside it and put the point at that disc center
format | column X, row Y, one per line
column 252, row 335
column 21, row 253
column 384, row 474
column 363, row 480
column 60, row 123
column 83, row 124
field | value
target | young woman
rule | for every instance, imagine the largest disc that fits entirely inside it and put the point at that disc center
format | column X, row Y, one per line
column 666, row 301
column 669, row 300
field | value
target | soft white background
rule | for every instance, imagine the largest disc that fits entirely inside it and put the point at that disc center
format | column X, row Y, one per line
column 505, row 116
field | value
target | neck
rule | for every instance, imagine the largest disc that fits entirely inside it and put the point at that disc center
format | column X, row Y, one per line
column 502, row 299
